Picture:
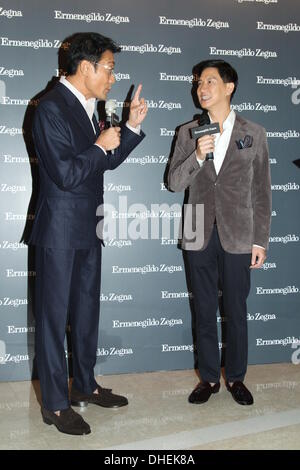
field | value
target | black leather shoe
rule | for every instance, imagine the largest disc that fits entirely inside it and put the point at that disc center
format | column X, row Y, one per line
column 202, row 392
column 104, row 398
column 68, row 422
column 240, row 393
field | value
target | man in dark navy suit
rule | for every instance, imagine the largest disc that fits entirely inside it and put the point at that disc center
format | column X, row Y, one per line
column 73, row 155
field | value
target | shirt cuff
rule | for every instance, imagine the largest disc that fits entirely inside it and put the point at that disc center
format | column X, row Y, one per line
column 259, row 246
column 201, row 162
column 136, row 130
column 101, row 148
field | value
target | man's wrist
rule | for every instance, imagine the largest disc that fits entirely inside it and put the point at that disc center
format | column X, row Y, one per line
column 136, row 128
column 101, row 147
column 199, row 160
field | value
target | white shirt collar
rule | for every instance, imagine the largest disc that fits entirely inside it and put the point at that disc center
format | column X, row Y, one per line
column 89, row 105
column 229, row 121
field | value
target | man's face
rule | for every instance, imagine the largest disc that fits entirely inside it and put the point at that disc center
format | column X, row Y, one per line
column 100, row 78
column 212, row 91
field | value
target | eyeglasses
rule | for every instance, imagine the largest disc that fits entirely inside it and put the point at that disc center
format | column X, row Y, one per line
column 111, row 70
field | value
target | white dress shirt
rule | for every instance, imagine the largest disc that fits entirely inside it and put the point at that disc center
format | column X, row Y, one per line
column 222, row 142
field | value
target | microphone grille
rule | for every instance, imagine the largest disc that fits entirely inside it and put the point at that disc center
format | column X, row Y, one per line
column 110, row 106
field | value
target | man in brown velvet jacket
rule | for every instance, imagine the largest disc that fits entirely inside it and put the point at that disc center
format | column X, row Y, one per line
column 234, row 190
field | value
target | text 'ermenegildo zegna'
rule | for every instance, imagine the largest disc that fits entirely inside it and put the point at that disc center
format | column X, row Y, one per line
column 184, row 347
column 13, row 217
column 291, row 186
column 12, row 188
column 165, row 77
column 175, row 295
column 35, row 44
column 267, row 266
column 15, row 358
column 153, row 104
column 113, row 351
column 8, row 101
column 277, row 290
column 162, row 104
column 13, row 273
column 285, row 239
column 289, row 81
column 15, row 303
column 8, row 158
column 147, row 269
column 91, row 17
column 9, row 14
column 114, row 243
column 278, row 342
column 117, row 188
column 148, row 160
column 4, row 72
column 290, row 134
column 11, row 131
column 261, row 317
column 177, row 347
column 14, row 246
column 13, row 330
column 288, row 384
column 151, row 48
column 194, row 22
column 244, row 52
column 113, row 297
column 149, row 322
column 265, row 108
column 286, row 28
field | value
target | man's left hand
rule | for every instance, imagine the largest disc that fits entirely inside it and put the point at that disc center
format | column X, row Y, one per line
column 138, row 109
column 258, row 257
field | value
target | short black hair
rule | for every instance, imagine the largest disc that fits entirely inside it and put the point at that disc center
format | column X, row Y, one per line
column 87, row 46
column 226, row 71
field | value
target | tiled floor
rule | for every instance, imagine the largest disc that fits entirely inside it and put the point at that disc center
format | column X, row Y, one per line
column 160, row 417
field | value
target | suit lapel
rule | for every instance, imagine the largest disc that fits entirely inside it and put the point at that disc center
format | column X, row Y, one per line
column 238, row 132
column 78, row 111
column 83, row 120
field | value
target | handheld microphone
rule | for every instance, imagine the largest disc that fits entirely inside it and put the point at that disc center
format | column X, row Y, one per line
column 112, row 119
column 205, row 128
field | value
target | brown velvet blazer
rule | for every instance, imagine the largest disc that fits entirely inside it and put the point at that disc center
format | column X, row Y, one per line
column 239, row 197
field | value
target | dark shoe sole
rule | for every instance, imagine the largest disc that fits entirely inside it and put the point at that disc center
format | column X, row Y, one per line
column 49, row 422
column 198, row 402
column 81, row 404
column 84, row 404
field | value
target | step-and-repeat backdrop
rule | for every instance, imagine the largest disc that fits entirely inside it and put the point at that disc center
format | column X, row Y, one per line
column 146, row 320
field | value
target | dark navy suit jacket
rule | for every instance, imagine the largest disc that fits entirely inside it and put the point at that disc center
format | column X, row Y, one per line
column 71, row 171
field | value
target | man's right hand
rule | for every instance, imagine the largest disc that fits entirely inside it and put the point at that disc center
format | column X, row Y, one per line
column 110, row 138
column 205, row 145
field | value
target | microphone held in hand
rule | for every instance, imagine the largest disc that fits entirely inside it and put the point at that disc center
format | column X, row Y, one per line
column 112, row 118
column 205, row 129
